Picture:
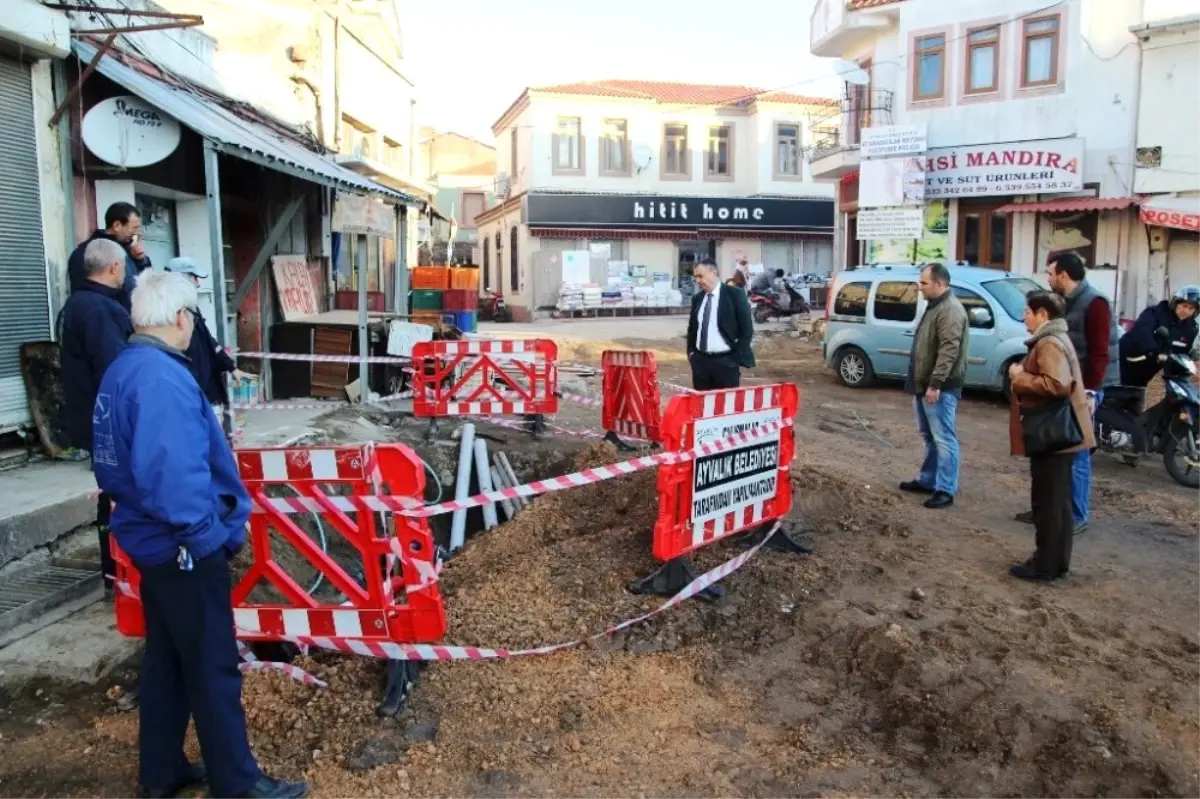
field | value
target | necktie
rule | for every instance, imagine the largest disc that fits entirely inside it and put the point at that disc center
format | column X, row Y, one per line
column 705, row 314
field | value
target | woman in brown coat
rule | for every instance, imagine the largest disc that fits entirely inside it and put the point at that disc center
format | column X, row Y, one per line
column 1049, row 373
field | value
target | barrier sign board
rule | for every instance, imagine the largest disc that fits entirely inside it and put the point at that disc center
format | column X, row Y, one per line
column 731, row 491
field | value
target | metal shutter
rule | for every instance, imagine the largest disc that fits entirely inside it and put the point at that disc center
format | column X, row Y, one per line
column 24, row 301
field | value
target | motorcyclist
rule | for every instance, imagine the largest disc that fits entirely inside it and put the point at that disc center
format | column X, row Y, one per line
column 1141, row 358
column 764, row 281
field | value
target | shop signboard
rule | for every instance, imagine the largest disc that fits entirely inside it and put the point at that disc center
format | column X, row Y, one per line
column 889, row 141
column 353, row 213
column 294, row 285
column 1044, row 166
column 887, row 182
column 890, row 223
column 694, row 213
column 129, row 132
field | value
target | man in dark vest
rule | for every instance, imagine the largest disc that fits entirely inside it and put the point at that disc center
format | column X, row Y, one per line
column 1092, row 327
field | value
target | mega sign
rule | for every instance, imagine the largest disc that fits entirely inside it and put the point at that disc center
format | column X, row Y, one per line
column 1033, row 167
column 633, row 211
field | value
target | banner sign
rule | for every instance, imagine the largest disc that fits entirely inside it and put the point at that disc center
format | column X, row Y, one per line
column 353, row 213
column 890, row 223
column 1045, row 166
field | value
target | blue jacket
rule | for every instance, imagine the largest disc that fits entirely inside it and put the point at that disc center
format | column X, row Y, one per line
column 209, row 362
column 93, row 328
column 78, row 274
column 161, row 454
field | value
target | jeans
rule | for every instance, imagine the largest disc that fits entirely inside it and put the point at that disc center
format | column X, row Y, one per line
column 939, row 469
column 1081, row 476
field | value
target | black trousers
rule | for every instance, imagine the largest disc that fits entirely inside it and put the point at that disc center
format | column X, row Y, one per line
column 108, row 568
column 190, row 669
column 1050, row 498
column 714, row 371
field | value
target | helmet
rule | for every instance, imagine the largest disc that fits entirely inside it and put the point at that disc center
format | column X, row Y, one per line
column 1188, row 294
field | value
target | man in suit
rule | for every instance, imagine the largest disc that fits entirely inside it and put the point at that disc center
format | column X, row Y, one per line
column 719, row 333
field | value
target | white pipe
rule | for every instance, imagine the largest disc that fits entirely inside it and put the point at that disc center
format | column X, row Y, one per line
column 485, row 483
column 506, row 505
column 462, row 487
column 513, row 482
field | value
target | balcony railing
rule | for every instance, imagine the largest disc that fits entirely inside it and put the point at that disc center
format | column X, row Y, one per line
column 840, row 128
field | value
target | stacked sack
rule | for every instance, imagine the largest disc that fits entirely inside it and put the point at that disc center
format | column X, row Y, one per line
column 592, row 296
column 570, row 297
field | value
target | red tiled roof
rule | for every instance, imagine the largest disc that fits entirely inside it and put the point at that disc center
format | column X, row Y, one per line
column 680, row 93
column 858, row 5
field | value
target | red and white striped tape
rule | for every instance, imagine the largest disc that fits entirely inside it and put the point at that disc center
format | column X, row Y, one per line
column 582, row 399
column 316, row 358
column 313, row 406
column 395, row 651
column 678, row 389
column 410, row 506
column 252, row 663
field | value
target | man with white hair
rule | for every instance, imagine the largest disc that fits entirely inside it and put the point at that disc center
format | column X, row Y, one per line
column 180, row 514
column 93, row 328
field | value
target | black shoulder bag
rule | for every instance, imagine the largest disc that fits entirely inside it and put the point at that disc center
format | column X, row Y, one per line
column 1051, row 426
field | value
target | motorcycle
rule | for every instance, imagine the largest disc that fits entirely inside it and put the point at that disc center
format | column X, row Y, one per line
column 494, row 308
column 1170, row 428
column 767, row 305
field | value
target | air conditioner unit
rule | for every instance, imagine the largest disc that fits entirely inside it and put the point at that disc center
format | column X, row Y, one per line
column 502, row 186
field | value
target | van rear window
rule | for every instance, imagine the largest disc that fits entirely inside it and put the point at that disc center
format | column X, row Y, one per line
column 851, row 299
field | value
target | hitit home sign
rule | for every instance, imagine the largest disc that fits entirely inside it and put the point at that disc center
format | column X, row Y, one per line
column 605, row 210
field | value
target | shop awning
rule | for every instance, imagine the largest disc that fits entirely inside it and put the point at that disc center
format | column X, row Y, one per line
column 1182, row 213
column 236, row 135
column 1069, row 205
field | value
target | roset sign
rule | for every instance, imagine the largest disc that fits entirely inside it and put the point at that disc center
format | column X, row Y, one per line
column 129, row 132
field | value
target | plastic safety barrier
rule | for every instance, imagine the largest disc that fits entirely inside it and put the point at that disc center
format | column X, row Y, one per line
column 631, row 399
column 478, row 377
column 396, row 600
column 715, row 496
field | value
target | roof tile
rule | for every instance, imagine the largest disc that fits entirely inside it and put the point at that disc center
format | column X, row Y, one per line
column 680, row 93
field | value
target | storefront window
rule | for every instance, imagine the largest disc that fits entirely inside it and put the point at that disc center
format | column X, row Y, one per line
column 359, row 252
column 1059, row 233
column 984, row 236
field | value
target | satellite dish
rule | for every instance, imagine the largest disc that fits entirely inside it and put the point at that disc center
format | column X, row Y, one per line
column 852, row 72
column 126, row 131
column 641, row 156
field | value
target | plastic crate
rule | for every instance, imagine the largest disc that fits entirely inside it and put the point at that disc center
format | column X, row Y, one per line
column 466, row 321
column 460, row 300
column 427, row 299
column 430, row 277
column 431, row 318
column 465, row 278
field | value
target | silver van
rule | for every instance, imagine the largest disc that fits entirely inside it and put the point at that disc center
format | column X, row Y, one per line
column 871, row 317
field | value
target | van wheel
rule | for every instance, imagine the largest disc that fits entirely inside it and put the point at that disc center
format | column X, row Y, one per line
column 854, row 368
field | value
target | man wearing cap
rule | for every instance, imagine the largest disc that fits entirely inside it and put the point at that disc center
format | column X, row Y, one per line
column 208, row 360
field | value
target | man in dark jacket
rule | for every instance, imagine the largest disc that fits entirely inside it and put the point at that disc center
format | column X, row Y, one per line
column 122, row 224
column 180, row 514
column 936, row 373
column 1140, row 356
column 719, row 332
column 209, row 360
column 95, row 326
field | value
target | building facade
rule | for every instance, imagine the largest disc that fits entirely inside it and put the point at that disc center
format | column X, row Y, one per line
column 655, row 176
column 1167, row 171
column 462, row 171
column 33, row 220
column 1031, row 113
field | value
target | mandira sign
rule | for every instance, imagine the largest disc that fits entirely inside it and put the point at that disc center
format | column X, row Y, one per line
column 648, row 211
column 1046, row 166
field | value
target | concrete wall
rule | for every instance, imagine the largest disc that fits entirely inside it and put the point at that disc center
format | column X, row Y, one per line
column 1169, row 112
column 753, row 146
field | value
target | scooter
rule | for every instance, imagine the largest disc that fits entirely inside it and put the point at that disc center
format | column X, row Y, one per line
column 494, row 308
column 767, row 305
column 1171, row 428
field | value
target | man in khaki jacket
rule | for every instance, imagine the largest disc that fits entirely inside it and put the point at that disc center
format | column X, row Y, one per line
column 936, row 372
